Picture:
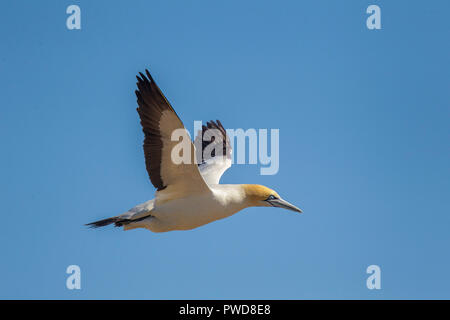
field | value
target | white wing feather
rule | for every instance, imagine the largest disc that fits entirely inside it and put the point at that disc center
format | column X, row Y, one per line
column 213, row 169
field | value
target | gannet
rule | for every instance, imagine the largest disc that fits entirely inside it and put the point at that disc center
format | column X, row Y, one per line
column 188, row 194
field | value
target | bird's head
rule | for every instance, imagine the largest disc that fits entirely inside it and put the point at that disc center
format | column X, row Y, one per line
column 261, row 196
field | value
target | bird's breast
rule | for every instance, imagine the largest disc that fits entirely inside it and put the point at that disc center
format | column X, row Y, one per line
column 194, row 211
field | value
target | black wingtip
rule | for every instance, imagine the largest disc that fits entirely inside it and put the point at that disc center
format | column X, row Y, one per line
column 149, row 75
column 143, row 78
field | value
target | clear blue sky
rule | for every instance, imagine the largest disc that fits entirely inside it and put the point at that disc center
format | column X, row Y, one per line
column 364, row 137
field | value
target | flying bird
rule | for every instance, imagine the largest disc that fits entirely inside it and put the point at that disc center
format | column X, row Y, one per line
column 188, row 194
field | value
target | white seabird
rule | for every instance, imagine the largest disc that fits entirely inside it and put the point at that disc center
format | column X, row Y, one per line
column 188, row 194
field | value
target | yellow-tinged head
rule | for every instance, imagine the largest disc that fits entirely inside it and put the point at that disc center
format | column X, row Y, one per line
column 260, row 196
column 258, row 192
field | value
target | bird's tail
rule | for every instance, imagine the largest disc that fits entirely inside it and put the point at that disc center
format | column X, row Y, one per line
column 117, row 220
column 128, row 219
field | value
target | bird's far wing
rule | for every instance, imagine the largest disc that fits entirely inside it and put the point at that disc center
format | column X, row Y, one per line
column 159, row 120
column 213, row 163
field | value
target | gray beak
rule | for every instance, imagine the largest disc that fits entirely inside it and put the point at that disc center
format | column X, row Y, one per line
column 280, row 203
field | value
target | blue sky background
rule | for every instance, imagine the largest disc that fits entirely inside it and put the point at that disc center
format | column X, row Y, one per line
column 364, row 147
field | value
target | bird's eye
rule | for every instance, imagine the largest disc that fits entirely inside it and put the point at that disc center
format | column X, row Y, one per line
column 271, row 197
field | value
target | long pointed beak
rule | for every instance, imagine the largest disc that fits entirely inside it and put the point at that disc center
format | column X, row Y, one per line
column 280, row 203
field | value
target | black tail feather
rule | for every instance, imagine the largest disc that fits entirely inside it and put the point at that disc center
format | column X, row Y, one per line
column 118, row 222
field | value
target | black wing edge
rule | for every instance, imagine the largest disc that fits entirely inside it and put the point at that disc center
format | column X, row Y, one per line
column 151, row 104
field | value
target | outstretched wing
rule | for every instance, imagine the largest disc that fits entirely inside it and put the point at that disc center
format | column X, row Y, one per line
column 215, row 151
column 159, row 120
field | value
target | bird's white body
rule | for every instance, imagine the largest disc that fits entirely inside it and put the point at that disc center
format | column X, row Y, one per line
column 189, row 212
